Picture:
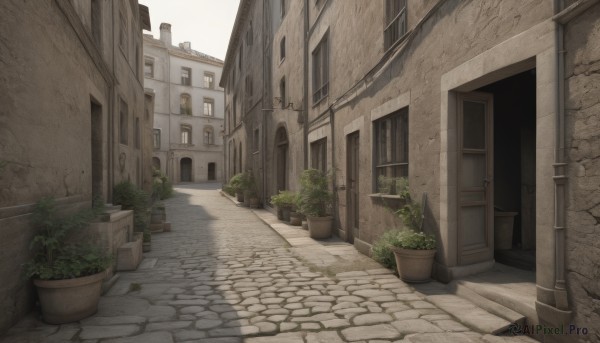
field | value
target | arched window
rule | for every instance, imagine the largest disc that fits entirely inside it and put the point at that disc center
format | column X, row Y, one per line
column 281, row 156
column 186, row 134
column 209, row 137
column 185, row 106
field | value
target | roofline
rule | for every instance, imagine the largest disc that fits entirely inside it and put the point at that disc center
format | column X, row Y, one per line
column 234, row 38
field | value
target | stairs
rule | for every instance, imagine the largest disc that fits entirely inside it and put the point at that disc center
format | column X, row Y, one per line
column 490, row 302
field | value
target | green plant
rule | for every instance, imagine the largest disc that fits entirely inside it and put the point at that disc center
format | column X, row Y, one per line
column 134, row 287
column 54, row 258
column 285, row 199
column 411, row 215
column 410, row 239
column 130, row 197
column 393, row 185
column 236, row 183
column 314, row 198
column 228, row 189
column 161, row 186
column 381, row 250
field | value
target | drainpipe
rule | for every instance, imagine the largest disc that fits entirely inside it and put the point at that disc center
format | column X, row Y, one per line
column 560, row 168
column 305, row 90
column 333, row 167
column 112, row 109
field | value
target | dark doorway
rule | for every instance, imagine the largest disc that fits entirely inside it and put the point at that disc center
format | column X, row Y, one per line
column 156, row 163
column 281, row 152
column 186, row 169
column 97, row 172
column 353, row 145
column 514, row 168
column 212, row 171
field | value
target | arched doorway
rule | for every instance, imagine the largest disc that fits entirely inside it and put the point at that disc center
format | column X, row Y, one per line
column 212, row 171
column 186, row 169
column 156, row 163
column 281, row 152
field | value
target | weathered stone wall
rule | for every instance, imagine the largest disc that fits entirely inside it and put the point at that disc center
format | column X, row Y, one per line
column 291, row 70
column 456, row 33
column 48, row 81
column 582, row 105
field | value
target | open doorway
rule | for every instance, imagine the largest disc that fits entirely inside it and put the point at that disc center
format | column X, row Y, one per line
column 186, row 169
column 514, row 163
column 211, row 171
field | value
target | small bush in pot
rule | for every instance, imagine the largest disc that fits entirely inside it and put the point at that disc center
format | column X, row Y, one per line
column 67, row 275
column 285, row 202
column 237, row 184
column 250, row 191
column 314, row 201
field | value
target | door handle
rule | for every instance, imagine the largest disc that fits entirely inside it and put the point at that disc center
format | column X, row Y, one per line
column 486, row 182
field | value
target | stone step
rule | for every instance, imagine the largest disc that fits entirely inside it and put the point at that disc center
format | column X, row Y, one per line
column 489, row 305
column 470, row 314
column 510, row 298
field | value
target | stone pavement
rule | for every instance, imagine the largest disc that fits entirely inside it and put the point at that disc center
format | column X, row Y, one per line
column 224, row 276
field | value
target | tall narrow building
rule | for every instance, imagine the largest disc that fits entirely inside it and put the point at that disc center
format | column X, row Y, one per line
column 189, row 115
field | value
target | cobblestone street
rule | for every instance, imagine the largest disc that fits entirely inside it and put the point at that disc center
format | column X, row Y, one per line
column 223, row 275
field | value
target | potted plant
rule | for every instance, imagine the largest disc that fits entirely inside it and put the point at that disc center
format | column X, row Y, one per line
column 237, row 186
column 250, row 191
column 314, row 200
column 68, row 276
column 413, row 249
column 284, row 201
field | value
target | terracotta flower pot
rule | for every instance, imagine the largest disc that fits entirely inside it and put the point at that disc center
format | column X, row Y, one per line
column 414, row 265
column 295, row 219
column 70, row 300
column 320, row 227
column 240, row 197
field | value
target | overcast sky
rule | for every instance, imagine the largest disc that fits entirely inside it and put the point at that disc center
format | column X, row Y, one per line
column 206, row 24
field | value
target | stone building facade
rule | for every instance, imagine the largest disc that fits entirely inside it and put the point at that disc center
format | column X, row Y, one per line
column 74, row 120
column 188, row 112
column 488, row 109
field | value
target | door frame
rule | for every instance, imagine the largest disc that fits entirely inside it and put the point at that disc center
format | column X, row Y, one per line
column 476, row 254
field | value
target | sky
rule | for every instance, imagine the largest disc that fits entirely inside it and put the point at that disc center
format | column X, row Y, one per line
column 206, row 24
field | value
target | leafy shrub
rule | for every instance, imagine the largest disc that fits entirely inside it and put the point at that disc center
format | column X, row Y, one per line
column 236, row 183
column 413, row 240
column 382, row 252
column 393, row 185
column 130, row 197
column 161, row 186
column 55, row 258
column 228, row 189
column 285, row 199
column 314, row 198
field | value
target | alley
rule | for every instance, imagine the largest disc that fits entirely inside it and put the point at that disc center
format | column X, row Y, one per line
column 222, row 275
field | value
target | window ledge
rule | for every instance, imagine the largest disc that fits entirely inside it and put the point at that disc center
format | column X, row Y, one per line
column 385, row 196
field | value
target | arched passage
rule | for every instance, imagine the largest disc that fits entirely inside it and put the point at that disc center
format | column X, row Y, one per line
column 156, row 163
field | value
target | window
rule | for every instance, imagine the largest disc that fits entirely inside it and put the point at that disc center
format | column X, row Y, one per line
column 282, row 92
column 186, row 76
column 209, row 80
column 156, row 138
column 256, row 140
column 123, row 33
column 209, row 138
column 282, row 49
column 320, row 72
column 186, row 135
column 318, row 152
column 250, row 35
column 149, row 68
column 248, row 85
column 395, row 21
column 97, row 22
column 209, row 105
column 234, row 110
column 391, row 145
column 137, row 133
column 185, row 104
column 123, row 122
column 282, row 4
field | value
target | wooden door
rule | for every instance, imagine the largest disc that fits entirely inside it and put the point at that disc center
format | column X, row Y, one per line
column 186, row 169
column 475, row 175
column 352, row 183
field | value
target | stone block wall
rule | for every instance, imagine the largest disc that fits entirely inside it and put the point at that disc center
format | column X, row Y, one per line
column 582, row 88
